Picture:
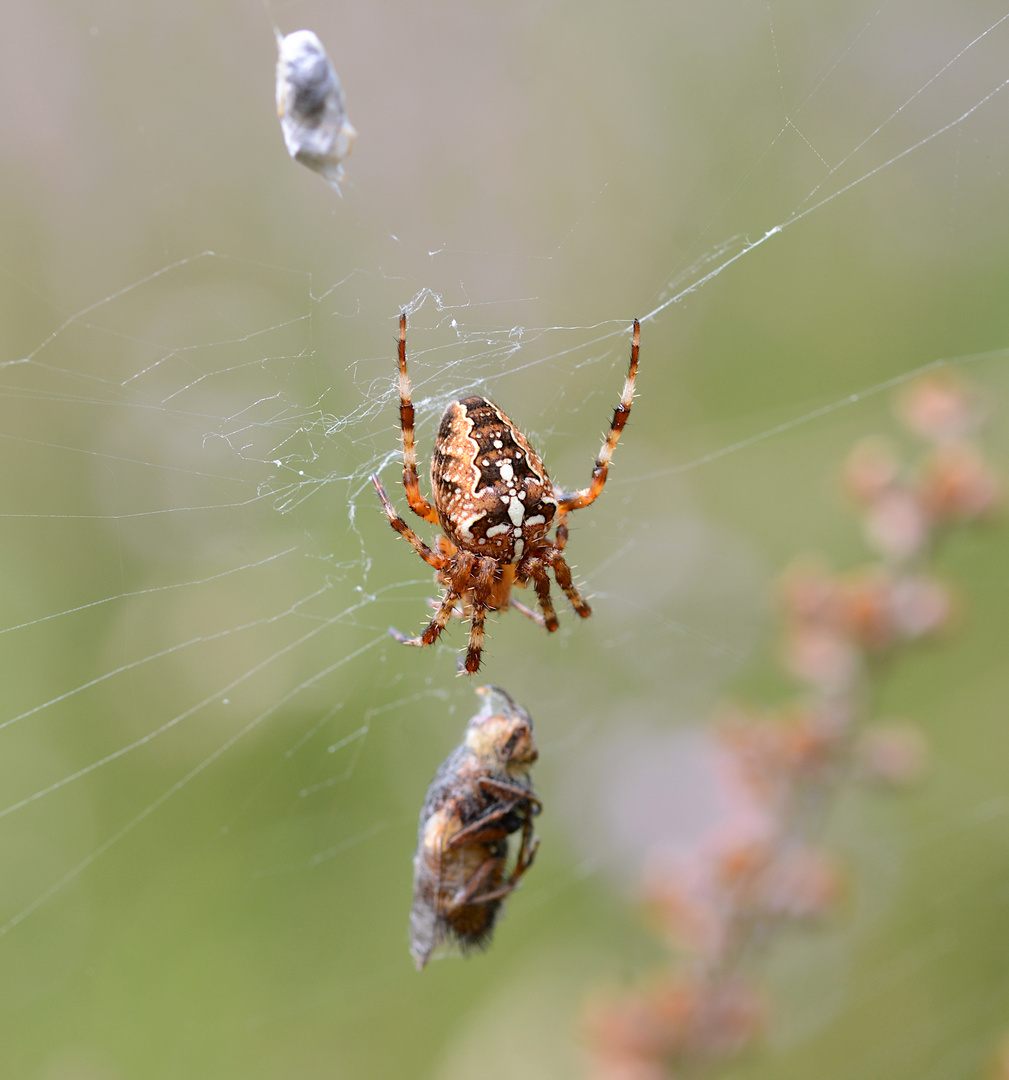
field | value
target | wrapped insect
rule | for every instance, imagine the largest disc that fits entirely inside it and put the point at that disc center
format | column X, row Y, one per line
column 480, row 796
column 311, row 107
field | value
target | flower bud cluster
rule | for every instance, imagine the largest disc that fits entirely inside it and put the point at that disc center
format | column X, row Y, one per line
column 646, row 1034
column 761, row 869
column 835, row 624
column 904, row 509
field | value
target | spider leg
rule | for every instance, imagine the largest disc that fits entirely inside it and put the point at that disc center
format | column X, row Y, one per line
column 435, row 605
column 455, row 578
column 439, row 562
column 563, row 574
column 538, row 572
column 561, row 536
column 475, row 648
column 444, row 546
column 482, row 586
column 588, row 495
column 527, row 611
column 418, row 504
column 434, row 627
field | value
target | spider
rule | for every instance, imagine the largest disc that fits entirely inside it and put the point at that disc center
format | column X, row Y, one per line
column 479, row 797
column 495, row 504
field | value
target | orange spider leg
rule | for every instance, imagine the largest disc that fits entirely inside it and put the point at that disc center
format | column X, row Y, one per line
column 561, row 536
column 455, row 586
column 589, row 495
column 482, row 587
column 444, row 546
column 439, row 562
column 418, row 504
column 434, row 628
column 527, row 611
column 563, row 574
column 538, row 573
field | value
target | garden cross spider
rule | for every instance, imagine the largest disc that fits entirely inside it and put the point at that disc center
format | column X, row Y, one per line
column 495, row 504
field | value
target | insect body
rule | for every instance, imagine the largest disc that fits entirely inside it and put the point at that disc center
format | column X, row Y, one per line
column 480, row 796
column 496, row 505
column 311, row 106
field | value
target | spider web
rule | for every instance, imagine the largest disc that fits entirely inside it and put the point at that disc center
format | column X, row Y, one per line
column 213, row 754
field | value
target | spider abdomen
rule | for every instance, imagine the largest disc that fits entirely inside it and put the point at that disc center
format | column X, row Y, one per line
column 491, row 491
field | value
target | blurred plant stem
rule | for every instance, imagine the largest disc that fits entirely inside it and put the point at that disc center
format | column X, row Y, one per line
column 726, row 905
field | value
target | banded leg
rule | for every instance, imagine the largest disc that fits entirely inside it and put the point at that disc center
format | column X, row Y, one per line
column 457, row 612
column 561, row 536
column 527, row 611
column 483, row 584
column 589, row 495
column 439, row 562
column 473, row 652
column 434, row 628
column 538, row 572
column 418, row 504
column 563, row 574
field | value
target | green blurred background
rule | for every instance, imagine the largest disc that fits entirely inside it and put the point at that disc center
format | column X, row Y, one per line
column 212, row 756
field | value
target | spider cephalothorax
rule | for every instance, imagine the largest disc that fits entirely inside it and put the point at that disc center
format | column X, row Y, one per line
column 495, row 504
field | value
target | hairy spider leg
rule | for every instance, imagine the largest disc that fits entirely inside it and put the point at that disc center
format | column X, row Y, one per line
column 563, row 574
column 461, row 585
column 434, row 628
column 411, row 481
column 561, row 536
column 527, row 611
column 439, row 562
column 589, row 495
column 536, row 570
column 457, row 584
column 479, row 601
